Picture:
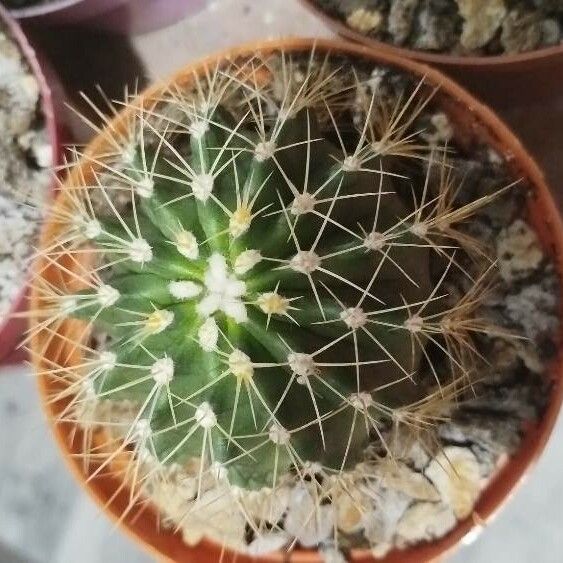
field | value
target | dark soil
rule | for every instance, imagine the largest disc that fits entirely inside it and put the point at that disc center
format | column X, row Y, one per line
column 440, row 26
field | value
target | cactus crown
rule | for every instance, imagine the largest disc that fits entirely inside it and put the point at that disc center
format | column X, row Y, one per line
column 267, row 265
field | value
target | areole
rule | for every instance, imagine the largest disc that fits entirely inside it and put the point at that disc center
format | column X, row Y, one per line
column 471, row 120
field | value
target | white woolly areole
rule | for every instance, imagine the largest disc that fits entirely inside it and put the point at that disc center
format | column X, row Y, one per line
column 303, row 203
column 107, row 295
column 246, row 260
column 419, row 229
column 158, row 321
column 198, row 129
column 224, row 291
column 414, row 324
column 354, row 317
column 279, row 435
column 240, row 365
column 264, row 150
column 145, row 187
column 240, row 221
column 361, row 401
column 186, row 244
column 202, row 186
column 162, row 371
column 129, row 152
column 305, row 261
column 351, row 164
column 184, row 289
column 91, row 228
column 208, row 335
column 107, row 360
column 68, row 304
column 205, row 416
column 374, row 241
column 142, row 430
column 302, row 365
column 140, row 251
column 273, row 303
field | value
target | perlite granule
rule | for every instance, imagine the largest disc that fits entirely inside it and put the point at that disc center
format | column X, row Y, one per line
column 26, row 157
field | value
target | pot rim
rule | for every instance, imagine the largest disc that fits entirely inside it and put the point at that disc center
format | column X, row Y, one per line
column 547, row 223
column 485, row 62
column 43, row 9
column 54, row 134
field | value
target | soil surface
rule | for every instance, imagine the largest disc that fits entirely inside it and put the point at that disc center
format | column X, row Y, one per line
column 460, row 27
column 24, row 168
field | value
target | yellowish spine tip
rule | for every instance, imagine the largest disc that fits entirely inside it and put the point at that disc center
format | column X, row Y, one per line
column 186, row 244
column 158, row 321
column 240, row 221
column 240, row 365
column 273, row 303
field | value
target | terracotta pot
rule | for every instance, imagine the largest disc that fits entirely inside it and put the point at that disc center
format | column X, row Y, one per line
column 472, row 121
column 12, row 328
column 545, row 56
column 119, row 16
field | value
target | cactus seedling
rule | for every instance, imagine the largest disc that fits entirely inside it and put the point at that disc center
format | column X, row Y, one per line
column 265, row 280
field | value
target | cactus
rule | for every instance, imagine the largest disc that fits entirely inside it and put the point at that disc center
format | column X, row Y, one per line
column 267, row 280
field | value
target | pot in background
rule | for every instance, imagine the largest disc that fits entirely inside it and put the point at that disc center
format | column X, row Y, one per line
column 472, row 120
column 118, row 16
column 514, row 63
column 13, row 328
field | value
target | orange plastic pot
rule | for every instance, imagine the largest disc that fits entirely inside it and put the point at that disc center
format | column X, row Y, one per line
column 520, row 62
column 472, row 121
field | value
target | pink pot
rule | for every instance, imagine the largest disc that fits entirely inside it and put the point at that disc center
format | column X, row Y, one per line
column 13, row 327
column 119, row 16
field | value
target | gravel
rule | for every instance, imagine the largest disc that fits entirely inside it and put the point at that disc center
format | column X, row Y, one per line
column 24, row 168
column 460, row 27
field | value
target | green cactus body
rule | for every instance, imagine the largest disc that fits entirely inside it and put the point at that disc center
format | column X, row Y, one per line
column 266, row 289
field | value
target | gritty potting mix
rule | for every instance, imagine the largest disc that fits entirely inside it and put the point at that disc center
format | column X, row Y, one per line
column 25, row 161
column 459, row 27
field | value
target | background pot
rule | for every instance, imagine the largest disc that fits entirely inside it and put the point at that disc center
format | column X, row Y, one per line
column 120, row 16
column 471, row 120
column 12, row 329
column 516, row 63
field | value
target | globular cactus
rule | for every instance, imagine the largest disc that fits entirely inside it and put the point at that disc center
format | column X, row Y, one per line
column 266, row 280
